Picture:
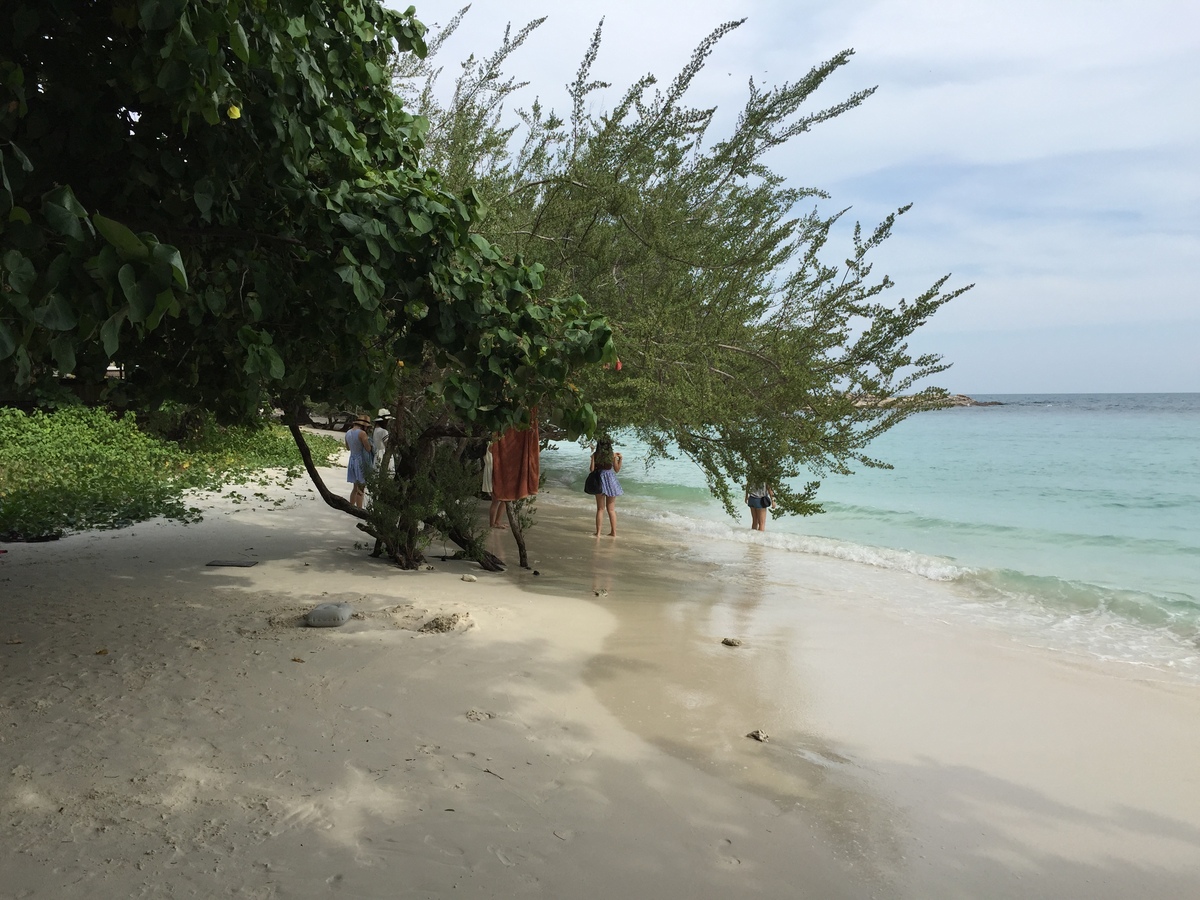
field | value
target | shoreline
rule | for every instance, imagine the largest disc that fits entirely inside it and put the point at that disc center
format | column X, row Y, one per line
column 588, row 745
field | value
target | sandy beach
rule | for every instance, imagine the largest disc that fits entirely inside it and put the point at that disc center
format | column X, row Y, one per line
column 171, row 729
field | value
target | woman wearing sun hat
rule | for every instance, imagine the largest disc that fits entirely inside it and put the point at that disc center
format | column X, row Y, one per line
column 359, row 466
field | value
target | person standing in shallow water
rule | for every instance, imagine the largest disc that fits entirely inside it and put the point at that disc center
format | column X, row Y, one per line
column 608, row 464
column 759, row 498
column 359, row 465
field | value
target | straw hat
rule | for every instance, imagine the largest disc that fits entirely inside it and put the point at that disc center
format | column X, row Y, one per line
column 361, row 420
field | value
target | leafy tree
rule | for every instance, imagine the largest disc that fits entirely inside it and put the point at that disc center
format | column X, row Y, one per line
column 741, row 346
column 227, row 197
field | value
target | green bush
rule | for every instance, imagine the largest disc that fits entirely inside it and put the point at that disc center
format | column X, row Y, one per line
column 78, row 468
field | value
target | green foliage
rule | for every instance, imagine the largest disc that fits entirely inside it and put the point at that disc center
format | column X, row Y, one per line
column 742, row 345
column 457, row 481
column 398, row 509
column 438, row 493
column 79, row 468
column 227, row 198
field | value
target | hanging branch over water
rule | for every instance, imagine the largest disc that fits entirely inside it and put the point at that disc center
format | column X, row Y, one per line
column 744, row 337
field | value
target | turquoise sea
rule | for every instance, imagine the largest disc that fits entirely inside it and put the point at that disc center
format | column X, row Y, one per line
column 1071, row 520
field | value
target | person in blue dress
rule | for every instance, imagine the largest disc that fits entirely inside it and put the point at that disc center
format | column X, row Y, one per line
column 359, row 466
column 608, row 464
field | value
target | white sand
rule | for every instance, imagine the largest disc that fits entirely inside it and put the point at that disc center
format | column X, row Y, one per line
column 168, row 730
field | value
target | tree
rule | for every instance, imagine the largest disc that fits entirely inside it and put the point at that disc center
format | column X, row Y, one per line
column 741, row 347
column 227, row 198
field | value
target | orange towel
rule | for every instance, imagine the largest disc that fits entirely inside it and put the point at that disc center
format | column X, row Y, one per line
column 516, row 464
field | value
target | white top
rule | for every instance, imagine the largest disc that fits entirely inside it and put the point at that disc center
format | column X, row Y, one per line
column 379, row 441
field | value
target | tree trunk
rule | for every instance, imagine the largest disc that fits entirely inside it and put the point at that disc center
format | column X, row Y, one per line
column 488, row 561
column 514, row 524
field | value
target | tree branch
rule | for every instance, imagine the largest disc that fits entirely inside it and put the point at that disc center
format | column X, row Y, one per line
column 330, row 498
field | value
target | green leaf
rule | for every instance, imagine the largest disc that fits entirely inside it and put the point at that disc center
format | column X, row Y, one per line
column 63, row 350
column 162, row 303
column 63, row 196
column 127, row 277
column 204, row 195
column 7, row 344
column 159, row 15
column 55, row 314
column 63, row 221
column 110, row 333
column 26, row 165
column 421, row 222
column 170, row 255
column 214, row 299
column 238, row 42
column 128, row 244
column 276, row 363
column 142, row 303
column 22, row 276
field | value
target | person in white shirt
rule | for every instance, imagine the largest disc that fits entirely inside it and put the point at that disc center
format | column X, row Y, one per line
column 380, row 435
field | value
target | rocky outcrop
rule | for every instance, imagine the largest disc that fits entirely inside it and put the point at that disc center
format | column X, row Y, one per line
column 863, row 400
column 964, row 400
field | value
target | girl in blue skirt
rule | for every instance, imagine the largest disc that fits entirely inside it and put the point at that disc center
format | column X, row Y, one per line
column 608, row 464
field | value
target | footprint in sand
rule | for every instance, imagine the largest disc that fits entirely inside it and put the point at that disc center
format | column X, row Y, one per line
column 725, row 850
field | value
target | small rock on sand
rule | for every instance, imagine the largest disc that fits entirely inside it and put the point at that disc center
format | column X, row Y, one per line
column 732, row 642
column 759, row 735
column 469, row 578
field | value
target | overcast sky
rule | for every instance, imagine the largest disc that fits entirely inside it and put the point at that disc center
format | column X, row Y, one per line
column 1051, row 149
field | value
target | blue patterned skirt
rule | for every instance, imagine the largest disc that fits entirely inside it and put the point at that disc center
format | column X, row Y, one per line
column 609, row 486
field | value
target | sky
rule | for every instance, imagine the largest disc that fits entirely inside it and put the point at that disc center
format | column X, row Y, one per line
column 1050, row 149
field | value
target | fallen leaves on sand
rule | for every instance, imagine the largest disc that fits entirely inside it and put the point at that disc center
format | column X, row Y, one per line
column 297, row 659
column 476, row 715
column 102, row 652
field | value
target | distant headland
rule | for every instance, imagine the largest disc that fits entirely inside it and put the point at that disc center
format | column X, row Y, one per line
column 863, row 400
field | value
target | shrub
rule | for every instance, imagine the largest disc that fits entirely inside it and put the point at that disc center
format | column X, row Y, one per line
column 78, row 468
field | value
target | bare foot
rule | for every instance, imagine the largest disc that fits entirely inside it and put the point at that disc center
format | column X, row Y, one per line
column 498, row 525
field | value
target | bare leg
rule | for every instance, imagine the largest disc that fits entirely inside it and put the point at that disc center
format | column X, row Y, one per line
column 498, row 508
column 612, row 516
column 599, row 513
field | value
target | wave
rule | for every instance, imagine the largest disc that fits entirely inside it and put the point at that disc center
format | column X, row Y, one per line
column 1053, row 599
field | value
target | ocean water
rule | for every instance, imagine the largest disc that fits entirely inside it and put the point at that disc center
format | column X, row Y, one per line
column 1070, row 520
